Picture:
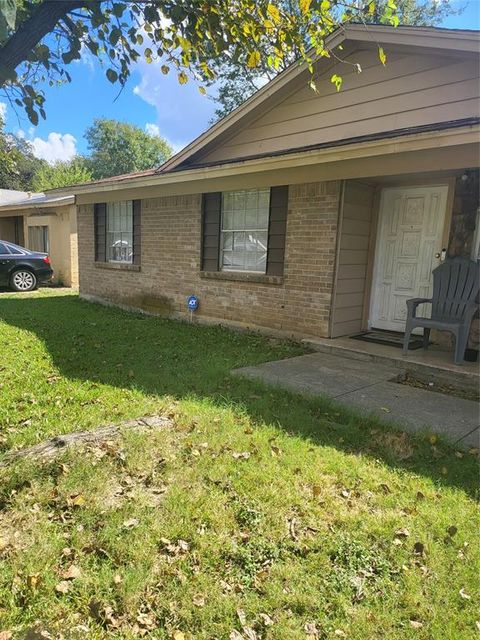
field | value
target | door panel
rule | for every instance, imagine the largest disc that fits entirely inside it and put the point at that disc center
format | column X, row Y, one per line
column 5, row 260
column 410, row 231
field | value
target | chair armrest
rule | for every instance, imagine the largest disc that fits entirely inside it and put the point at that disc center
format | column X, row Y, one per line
column 413, row 303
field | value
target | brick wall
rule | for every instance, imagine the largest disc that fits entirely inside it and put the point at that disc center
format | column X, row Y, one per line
column 170, row 265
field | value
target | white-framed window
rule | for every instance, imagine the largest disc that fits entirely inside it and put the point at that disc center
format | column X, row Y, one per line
column 38, row 239
column 244, row 230
column 119, row 226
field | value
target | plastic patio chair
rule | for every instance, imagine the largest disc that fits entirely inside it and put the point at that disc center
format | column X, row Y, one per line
column 456, row 284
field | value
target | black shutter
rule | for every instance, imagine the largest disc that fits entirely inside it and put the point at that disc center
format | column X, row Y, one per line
column 137, row 231
column 100, row 224
column 277, row 228
column 211, row 219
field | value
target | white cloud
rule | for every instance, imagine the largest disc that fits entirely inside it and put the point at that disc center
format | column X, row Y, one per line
column 57, row 146
column 183, row 112
column 3, row 110
column 152, row 129
column 86, row 58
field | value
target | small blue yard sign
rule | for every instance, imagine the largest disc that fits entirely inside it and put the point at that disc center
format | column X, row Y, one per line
column 192, row 303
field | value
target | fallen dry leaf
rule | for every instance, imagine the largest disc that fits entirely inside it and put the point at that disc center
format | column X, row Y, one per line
column 243, row 455
column 72, row 572
column 130, row 523
column 266, row 619
column 339, row 633
column 175, row 548
column 311, row 630
column 33, row 580
column 63, row 587
column 117, row 579
column 198, row 600
column 464, row 595
column 76, row 500
column 291, row 528
column 146, row 620
column 402, row 533
column 102, row 613
column 178, row 635
column 415, row 624
column 241, row 616
column 249, row 633
column 226, row 587
column 6, row 635
column 236, row 635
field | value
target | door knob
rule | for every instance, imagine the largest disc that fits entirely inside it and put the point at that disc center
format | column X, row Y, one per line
column 441, row 255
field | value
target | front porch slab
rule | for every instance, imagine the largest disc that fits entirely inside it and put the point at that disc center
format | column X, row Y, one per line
column 435, row 363
column 373, row 388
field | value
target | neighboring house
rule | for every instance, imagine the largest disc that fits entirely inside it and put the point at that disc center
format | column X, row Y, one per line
column 313, row 214
column 43, row 222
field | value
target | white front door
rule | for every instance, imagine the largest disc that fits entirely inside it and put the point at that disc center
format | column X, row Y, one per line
column 410, row 230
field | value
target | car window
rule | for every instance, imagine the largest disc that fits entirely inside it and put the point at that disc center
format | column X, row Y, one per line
column 3, row 249
column 14, row 250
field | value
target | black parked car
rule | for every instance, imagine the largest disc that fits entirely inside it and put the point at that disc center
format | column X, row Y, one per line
column 22, row 269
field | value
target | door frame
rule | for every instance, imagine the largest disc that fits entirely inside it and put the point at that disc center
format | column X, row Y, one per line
column 372, row 265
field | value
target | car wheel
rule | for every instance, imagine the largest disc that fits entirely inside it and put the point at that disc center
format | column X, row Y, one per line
column 23, row 280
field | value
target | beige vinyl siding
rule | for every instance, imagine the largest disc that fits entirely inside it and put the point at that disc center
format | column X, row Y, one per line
column 353, row 244
column 411, row 90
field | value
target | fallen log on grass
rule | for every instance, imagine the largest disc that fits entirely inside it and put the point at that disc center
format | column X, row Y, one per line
column 54, row 446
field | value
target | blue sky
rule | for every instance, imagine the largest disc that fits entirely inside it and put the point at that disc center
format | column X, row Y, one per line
column 151, row 100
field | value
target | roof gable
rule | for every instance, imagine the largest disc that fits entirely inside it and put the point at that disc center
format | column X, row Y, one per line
column 284, row 113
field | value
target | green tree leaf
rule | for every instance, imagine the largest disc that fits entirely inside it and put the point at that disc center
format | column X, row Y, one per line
column 61, row 174
column 112, row 75
column 117, row 147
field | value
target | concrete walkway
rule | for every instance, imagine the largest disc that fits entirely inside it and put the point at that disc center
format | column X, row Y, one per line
column 373, row 387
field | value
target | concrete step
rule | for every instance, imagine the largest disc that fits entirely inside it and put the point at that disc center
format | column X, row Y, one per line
column 431, row 366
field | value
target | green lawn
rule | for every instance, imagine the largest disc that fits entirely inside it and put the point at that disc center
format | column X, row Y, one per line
column 258, row 514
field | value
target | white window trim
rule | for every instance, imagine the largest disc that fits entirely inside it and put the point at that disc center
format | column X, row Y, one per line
column 223, row 231
column 129, row 204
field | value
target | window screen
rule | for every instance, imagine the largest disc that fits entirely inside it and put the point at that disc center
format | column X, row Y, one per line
column 120, row 231
column 244, row 230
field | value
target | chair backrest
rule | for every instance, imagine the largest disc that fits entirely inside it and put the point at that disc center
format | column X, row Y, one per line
column 455, row 283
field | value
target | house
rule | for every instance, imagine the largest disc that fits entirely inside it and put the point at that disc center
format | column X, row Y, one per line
column 314, row 214
column 46, row 223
